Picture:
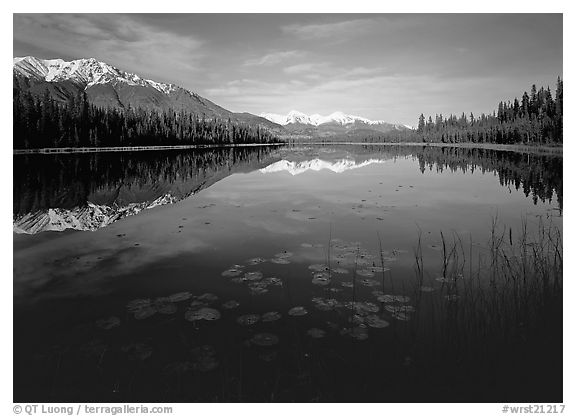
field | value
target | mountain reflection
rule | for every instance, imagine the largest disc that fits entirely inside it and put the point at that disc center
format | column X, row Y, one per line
column 89, row 191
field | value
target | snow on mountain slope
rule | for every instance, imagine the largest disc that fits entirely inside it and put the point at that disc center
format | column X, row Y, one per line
column 85, row 71
column 296, row 168
column 108, row 86
column 337, row 117
column 87, row 218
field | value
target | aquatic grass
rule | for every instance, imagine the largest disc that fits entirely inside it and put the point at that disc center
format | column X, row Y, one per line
column 498, row 311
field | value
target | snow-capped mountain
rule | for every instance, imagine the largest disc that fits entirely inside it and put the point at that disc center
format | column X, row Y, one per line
column 337, row 166
column 338, row 117
column 108, row 86
column 86, row 218
column 84, row 71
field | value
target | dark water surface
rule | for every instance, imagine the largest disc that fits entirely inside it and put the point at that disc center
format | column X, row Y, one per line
column 151, row 276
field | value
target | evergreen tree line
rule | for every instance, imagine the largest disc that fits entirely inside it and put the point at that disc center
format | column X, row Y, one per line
column 536, row 118
column 46, row 123
column 107, row 178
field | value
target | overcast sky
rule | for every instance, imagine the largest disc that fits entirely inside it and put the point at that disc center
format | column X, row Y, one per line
column 385, row 67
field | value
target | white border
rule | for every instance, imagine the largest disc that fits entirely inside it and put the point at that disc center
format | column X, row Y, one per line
column 292, row 6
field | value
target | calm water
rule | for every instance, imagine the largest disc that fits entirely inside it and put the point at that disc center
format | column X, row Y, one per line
column 151, row 275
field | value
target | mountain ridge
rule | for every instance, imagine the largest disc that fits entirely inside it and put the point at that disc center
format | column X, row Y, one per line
column 316, row 120
column 108, row 86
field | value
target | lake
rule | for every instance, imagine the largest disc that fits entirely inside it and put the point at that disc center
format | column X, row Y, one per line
column 296, row 273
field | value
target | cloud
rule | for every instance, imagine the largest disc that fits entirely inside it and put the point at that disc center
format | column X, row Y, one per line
column 368, row 92
column 123, row 41
column 330, row 30
column 274, row 58
column 306, row 68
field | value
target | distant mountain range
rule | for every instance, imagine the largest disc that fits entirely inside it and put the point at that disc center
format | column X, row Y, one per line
column 337, row 166
column 108, row 86
column 107, row 192
column 335, row 123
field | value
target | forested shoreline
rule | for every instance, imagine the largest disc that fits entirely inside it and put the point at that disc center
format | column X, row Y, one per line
column 535, row 118
column 46, row 123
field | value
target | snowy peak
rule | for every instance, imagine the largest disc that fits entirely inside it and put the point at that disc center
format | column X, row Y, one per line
column 316, row 165
column 86, row 71
column 337, row 117
column 297, row 117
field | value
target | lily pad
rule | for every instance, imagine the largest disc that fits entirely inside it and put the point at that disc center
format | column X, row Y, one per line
column 297, row 311
column 167, row 308
column 265, row 339
column 362, row 308
column 279, row 260
column 316, row 333
column 249, row 319
column 207, row 297
column 231, row 304
column 207, row 314
column 254, row 261
column 401, row 316
column 144, row 313
column 251, row 276
column 232, row 272
column 137, row 304
column 180, row 297
column 272, row 281
column 393, row 299
column 323, row 304
column 108, row 323
column 321, row 279
column 400, row 308
column 258, row 288
column 375, row 321
column 271, row 316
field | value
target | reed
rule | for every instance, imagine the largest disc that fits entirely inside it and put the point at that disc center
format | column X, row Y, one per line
column 504, row 314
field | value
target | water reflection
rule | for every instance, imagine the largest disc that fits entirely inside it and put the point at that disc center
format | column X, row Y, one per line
column 89, row 191
column 294, row 279
column 86, row 192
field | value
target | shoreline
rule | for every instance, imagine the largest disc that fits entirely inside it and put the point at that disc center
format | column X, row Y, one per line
column 551, row 150
column 52, row 150
column 519, row 148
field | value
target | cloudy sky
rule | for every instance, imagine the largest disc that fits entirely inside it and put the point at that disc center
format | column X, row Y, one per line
column 386, row 67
